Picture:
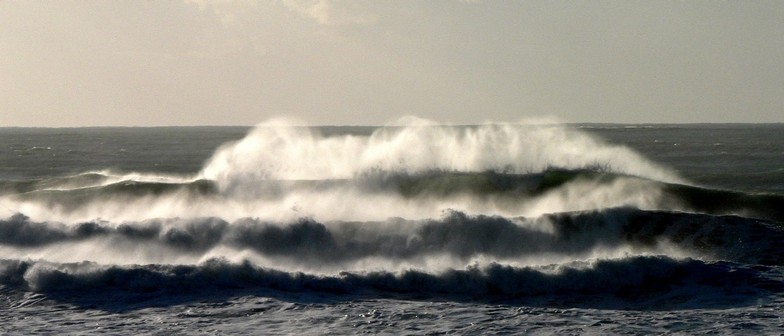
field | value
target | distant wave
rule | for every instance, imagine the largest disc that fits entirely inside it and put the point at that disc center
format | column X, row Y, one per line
column 93, row 180
column 282, row 152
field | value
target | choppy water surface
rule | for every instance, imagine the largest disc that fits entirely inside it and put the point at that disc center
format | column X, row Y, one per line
column 418, row 228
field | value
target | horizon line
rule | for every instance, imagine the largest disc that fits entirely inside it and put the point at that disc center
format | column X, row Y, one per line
column 377, row 125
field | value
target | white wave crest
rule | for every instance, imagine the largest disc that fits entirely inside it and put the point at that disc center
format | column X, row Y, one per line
column 280, row 151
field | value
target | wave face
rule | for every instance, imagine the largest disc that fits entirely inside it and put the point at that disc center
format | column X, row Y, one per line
column 497, row 212
column 635, row 278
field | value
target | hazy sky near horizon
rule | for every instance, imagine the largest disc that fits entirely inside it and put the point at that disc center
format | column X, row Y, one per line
column 223, row 62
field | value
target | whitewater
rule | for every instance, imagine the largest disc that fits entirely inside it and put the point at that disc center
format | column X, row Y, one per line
column 414, row 227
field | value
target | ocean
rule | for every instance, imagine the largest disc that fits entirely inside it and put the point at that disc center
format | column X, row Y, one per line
column 412, row 228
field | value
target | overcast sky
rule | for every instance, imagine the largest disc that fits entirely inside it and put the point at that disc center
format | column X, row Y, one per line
column 140, row 63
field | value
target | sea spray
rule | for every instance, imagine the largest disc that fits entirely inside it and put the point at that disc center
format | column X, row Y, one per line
column 278, row 151
column 474, row 229
column 283, row 172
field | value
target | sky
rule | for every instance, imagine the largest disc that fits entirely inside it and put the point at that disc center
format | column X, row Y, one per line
column 325, row 62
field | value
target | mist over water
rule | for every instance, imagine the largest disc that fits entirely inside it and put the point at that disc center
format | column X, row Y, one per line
column 495, row 211
column 284, row 172
column 279, row 151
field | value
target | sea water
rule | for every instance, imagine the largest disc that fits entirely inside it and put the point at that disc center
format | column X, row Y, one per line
column 416, row 228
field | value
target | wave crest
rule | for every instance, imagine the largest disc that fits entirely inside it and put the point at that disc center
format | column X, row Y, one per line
column 458, row 237
column 652, row 280
column 280, row 152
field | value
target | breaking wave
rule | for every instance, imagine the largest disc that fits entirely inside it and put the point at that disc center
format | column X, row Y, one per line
column 457, row 236
column 275, row 152
column 505, row 210
column 654, row 281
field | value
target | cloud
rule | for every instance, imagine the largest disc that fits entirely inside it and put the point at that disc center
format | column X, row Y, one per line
column 327, row 12
column 223, row 9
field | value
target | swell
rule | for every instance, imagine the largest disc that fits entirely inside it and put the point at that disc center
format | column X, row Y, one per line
column 64, row 182
column 429, row 183
column 712, row 201
column 508, row 190
column 123, row 191
column 133, row 183
column 288, row 209
column 680, row 197
column 457, row 236
column 655, row 279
